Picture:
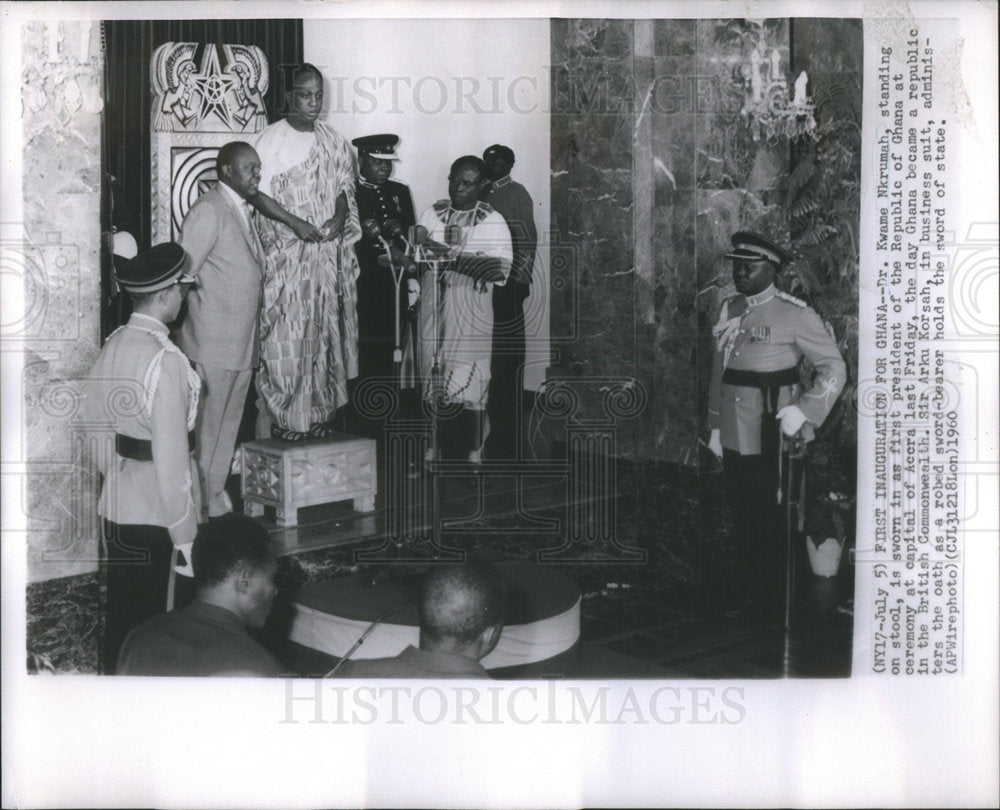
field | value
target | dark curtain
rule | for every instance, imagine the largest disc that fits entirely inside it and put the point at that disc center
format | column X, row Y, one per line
column 129, row 46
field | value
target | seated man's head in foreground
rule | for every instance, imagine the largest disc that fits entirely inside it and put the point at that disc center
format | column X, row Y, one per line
column 234, row 567
column 462, row 608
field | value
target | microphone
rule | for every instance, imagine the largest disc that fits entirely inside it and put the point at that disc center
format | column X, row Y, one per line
column 417, row 234
column 426, row 249
column 392, row 228
column 371, row 229
column 453, row 234
column 395, row 231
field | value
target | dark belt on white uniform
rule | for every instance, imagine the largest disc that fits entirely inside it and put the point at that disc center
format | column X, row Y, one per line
column 769, row 383
column 140, row 449
column 766, row 381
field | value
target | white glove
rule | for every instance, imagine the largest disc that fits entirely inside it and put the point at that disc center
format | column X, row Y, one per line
column 791, row 419
column 715, row 442
column 412, row 292
column 185, row 569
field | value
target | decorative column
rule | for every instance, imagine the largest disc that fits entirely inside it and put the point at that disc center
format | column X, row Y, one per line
column 55, row 252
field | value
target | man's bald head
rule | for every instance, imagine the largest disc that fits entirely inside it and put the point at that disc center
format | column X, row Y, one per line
column 458, row 603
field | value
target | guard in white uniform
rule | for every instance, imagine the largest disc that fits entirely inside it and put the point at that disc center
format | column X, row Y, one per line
column 143, row 391
column 756, row 390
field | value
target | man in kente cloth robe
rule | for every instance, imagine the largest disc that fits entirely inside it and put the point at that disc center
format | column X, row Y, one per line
column 308, row 320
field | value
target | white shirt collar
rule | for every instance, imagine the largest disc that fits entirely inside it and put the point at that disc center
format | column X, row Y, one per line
column 145, row 321
column 234, row 198
column 762, row 297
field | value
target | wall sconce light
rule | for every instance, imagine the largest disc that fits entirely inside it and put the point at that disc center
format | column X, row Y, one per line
column 769, row 111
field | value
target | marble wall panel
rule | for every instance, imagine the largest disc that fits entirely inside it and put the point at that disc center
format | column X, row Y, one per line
column 675, row 37
column 673, row 148
column 674, row 342
column 828, row 45
column 697, row 175
column 674, row 418
column 593, row 321
column 61, row 98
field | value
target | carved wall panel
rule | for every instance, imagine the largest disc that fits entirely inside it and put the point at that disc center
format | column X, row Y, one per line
column 198, row 105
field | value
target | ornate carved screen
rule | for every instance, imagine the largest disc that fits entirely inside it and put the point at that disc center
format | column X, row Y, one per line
column 198, row 105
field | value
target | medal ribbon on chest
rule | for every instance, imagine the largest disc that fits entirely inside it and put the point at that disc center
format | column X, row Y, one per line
column 728, row 328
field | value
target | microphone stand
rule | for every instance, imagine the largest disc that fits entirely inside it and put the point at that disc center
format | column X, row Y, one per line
column 397, row 351
column 435, row 381
column 397, row 278
column 431, row 389
column 368, row 631
column 434, row 260
column 375, row 231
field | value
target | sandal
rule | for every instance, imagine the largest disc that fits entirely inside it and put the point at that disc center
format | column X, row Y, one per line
column 288, row 435
column 322, row 430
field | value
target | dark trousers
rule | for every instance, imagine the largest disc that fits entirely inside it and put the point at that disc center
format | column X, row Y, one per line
column 506, row 372
column 376, row 291
column 137, row 572
column 758, row 577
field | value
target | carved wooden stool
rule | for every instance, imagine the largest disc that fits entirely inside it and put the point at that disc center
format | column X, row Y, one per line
column 289, row 475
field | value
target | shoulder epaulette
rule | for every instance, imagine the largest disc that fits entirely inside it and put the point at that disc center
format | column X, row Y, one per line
column 151, row 379
column 724, row 312
column 791, row 299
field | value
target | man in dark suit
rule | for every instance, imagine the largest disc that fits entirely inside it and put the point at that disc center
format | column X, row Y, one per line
column 514, row 203
column 234, row 570
column 462, row 610
column 219, row 334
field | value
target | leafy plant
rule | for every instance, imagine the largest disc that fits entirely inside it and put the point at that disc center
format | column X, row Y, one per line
column 822, row 201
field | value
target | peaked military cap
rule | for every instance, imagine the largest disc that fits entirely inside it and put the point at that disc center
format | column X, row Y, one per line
column 382, row 147
column 153, row 269
column 500, row 151
column 752, row 247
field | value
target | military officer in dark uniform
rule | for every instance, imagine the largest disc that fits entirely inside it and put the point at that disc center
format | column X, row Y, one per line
column 385, row 210
column 755, row 395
